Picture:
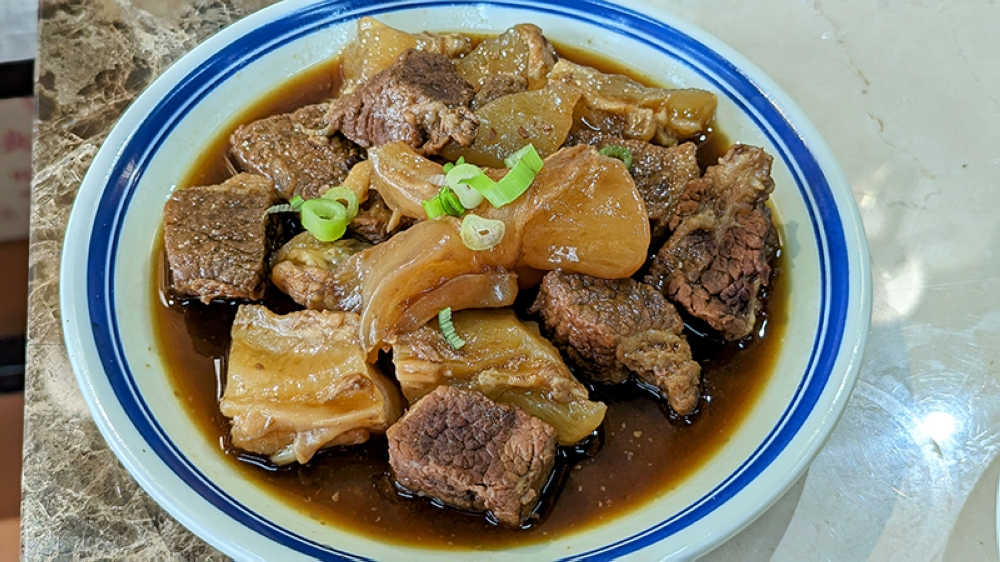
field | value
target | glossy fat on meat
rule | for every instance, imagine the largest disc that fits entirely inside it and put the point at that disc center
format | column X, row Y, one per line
column 581, row 214
column 299, row 383
column 505, row 359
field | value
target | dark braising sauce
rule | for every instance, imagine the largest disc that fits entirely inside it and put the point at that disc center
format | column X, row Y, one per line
column 639, row 453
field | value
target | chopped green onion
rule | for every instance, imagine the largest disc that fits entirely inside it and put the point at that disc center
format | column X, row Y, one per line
column 467, row 180
column 433, row 207
column 448, row 329
column 325, row 219
column 345, row 196
column 447, row 167
column 444, row 203
column 293, row 206
column 481, row 234
column 527, row 163
column 526, row 153
column 450, row 202
column 283, row 208
column 619, row 152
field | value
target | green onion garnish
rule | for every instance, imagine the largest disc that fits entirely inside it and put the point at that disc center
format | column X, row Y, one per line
column 345, row 196
column 481, row 234
column 471, row 184
column 325, row 219
column 619, row 152
column 467, row 180
column 433, row 208
column 450, row 202
column 448, row 329
column 534, row 161
column 283, row 208
column 447, row 167
column 444, row 203
column 526, row 165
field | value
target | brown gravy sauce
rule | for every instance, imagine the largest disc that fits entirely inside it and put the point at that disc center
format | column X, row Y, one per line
column 640, row 452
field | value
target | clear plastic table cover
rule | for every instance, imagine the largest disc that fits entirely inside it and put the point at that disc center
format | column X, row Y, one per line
column 907, row 94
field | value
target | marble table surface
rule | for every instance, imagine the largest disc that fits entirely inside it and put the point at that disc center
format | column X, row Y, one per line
column 907, row 94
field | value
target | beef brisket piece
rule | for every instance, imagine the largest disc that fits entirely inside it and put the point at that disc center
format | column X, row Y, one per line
column 289, row 149
column 608, row 327
column 216, row 238
column 420, row 99
column 660, row 173
column 464, row 449
column 372, row 221
column 722, row 243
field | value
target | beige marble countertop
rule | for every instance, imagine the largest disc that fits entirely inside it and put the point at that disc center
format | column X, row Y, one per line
column 907, row 94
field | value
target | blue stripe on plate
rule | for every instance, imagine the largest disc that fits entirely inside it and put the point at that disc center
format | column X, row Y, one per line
column 146, row 140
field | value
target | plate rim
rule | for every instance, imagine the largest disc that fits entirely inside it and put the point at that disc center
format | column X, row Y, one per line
column 118, row 138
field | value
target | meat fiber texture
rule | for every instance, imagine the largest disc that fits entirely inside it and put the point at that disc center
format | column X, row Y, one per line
column 216, row 238
column 722, row 243
column 420, row 99
column 469, row 452
column 292, row 150
column 609, row 328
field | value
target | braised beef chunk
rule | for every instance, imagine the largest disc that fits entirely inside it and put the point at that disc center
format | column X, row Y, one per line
column 608, row 327
column 290, row 150
column 373, row 218
column 722, row 244
column 663, row 359
column 660, row 173
column 469, row 452
column 311, row 272
column 499, row 86
column 420, row 99
column 216, row 238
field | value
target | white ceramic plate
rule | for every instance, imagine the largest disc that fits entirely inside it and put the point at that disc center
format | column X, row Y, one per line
column 106, row 277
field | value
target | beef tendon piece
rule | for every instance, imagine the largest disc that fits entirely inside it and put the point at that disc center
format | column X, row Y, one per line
column 216, row 238
column 298, row 383
column 719, row 254
column 615, row 104
column 309, row 271
column 505, row 359
column 287, row 149
column 419, row 99
column 660, row 174
column 609, row 328
column 469, row 452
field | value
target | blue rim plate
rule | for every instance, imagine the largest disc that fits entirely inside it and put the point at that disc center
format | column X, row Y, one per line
column 106, row 277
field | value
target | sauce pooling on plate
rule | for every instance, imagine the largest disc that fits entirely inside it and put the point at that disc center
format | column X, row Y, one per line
column 641, row 449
